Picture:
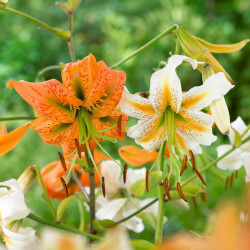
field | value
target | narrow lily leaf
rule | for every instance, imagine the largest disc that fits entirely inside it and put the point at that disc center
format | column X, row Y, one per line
column 138, row 188
column 10, row 140
column 142, row 245
column 223, row 48
column 62, row 207
column 237, row 138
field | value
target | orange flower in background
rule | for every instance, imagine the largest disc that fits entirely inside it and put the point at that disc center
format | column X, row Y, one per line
column 52, row 173
column 9, row 140
column 85, row 102
column 137, row 157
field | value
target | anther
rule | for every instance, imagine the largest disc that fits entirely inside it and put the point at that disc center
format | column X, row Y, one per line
column 184, row 164
column 166, row 186
column 199, row 175
column 65, row 188
column 194, row 201
column 62, row 161
column 227, row 183
column 236, row 174
column 78, row 147
column 103, row 187
column 125, row 173
column 232, row 180
column 119, row 125
column 147, row 175
column 192, row 159
column 178, row 186
column 203, row 196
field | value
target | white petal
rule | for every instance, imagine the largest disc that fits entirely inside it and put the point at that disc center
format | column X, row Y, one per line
column 12, row 204
column 181, row 204
column 245, row 159
column 134, row 175
column 153, row 209
column 239, row 126
column 231, row 161
column 134, row 224
column 136, row 106
column 213, row 88
column 165, row 85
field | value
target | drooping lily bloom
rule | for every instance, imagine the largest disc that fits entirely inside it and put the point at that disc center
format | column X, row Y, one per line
column 9, row 140
column 82, row 108
column 52, row 173
column 241, row 155
column 137, row 157
column 170, row 114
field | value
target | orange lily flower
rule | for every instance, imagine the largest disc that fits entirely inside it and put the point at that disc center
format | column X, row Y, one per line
column 82, row 108
column 52, row 173
column 137, row 157
column 10, row 140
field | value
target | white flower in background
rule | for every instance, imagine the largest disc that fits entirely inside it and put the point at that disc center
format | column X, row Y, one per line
column 12, row 210
column 240, row 156
column 3, row 1
column 118, row 202
column 166, row 102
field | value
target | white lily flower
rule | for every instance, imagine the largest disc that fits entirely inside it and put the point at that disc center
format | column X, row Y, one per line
column 240, row 156
column 114, row 207
column 191, row 127
column 12, row 204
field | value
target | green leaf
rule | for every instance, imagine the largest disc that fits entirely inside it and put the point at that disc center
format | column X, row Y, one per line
column 62, row 207
column 81, row 161
column 138, row 188
column 142, row 245
column 157, row 175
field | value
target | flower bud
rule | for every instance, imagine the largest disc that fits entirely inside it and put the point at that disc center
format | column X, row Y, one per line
column 27, row 178
column 70, row 6
column 218, row 107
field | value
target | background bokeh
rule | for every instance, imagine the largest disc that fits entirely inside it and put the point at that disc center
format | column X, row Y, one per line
column 112, row 29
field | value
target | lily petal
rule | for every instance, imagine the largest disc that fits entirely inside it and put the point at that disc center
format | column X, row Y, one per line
column 165, row 85
column 136, row 106
column 213, row 88
column 10, row 140
column 3, row 130
column 50, row 99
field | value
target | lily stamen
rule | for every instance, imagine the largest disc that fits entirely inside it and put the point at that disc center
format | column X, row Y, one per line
column 203, row 196
column 227, row 183
column 64, row 185
column 78, row 147
column 166, row 186
column 124, row 173
column 194, row 201
column 184, row 164
column 192, row 159
column 178, row 186
column 199, row 175
column 62, row 161
column 103, row 187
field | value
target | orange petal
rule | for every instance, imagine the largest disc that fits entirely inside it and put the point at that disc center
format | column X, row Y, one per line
column 3, row 130
column 54, row 132
column 79, row 76
column 136, row 156
column 10, row 140
column 99, row 156
column 50, row 99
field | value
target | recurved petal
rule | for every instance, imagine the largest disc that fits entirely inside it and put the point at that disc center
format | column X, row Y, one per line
column 50, row 99
column 195, row 126
column 136, row 106
column 10, row 140
column 231, row 161
column 213, row 88
column 54, row 132
column 165, row 85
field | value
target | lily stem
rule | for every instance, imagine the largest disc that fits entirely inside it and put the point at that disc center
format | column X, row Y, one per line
column 70, row 42
column 46, row 69
column 145, row 46
column 61, row 226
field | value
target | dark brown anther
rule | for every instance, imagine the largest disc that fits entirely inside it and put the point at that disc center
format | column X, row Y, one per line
column 203, row 196
column 236, row 174
column 184, row 164
column 166, row 186
column 78, row 147
column 192, row 159
column 194, row 201
column 62, row 161
column 227, row 183
column 103, row 187
column 124, row 173
column 65, row 188
column 147, row 175
column 232, row 180
column 178, row 186
column 200, row 177
column 119, row 125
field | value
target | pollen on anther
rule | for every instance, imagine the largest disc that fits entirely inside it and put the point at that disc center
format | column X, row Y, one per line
column 78, row 148
column 62, row 161
column 166, row 186
column 64, row 185
column 184, row 164
column 192, row 159
column 227, row 183
column 103, row 187
column 194, row 201
column 125, row 173
column 178, row 186
column 199, row 175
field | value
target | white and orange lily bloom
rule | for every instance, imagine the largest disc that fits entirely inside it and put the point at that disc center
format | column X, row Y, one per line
column 118, row 202
column 169, row 114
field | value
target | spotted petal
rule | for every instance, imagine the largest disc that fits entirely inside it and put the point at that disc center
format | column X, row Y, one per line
column 165, row 85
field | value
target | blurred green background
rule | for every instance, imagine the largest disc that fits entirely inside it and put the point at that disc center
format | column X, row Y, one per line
column 112, row 29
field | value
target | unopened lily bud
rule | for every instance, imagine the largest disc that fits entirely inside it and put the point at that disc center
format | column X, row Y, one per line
column 218, row 107
column 27, row 178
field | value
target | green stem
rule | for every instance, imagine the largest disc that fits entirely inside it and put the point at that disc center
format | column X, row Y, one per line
column 45, row 193
column 70, row 42
column 43, row 24
column 17, row 118
column 63, row 227
column 46, row 69
column 145, row 46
